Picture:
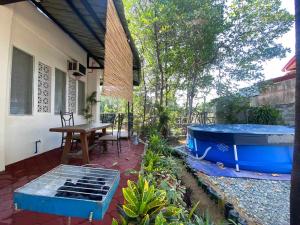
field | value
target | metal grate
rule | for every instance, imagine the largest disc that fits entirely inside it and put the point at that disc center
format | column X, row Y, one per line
column 67, row 183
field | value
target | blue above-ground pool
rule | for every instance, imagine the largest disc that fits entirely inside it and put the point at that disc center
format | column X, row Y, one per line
column 261, row 148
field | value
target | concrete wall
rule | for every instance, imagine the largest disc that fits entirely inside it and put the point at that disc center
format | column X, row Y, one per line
column 26, row 28
column 280, row 95
column 287, row 112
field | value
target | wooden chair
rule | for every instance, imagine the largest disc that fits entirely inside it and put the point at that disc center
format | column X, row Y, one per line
column 67, row 119
column 115, row 137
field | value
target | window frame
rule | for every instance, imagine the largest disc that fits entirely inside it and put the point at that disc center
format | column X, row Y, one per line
column 66, row 81
column 32, row 81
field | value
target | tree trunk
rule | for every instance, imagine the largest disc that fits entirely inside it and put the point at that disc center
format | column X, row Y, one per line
column 191, row 100
column 166, row 93
column 156, row 88
column 159, row 62
column 145, row 99
column 187, row 103
column 191, row 96
column 295, row 182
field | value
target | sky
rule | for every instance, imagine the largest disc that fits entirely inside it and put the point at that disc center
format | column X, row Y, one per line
column 273, row 67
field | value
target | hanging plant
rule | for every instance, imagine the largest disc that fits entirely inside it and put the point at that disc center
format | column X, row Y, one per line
column 91, row 101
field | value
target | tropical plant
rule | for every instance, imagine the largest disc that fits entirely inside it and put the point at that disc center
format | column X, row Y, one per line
column 144, row 203
column 91, row 101
column 174, row 188
column 152, row 162
column 152, row 199
column 156, row 143
column 163, row 120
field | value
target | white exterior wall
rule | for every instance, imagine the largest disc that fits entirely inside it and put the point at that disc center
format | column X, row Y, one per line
column 93, row 84
column 24, row 27
column 5, row 35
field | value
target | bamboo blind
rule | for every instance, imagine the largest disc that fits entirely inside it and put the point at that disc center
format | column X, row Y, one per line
column 118, row 64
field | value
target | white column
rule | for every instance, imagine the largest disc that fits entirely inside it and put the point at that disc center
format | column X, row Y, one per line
column 6, row 15
column 93, row 84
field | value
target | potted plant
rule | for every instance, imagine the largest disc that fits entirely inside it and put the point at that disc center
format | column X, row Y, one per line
column 91, row 101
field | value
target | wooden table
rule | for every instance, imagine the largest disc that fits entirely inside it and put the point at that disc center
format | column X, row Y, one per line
column 84, row 130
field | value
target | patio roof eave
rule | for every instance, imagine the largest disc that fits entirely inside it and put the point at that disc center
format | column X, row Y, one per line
column 85, row 23
column 78, row 23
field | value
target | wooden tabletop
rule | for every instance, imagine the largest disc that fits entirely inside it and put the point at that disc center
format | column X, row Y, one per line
column 82, row 128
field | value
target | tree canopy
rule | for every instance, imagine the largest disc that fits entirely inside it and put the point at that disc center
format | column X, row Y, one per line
column 190, row 47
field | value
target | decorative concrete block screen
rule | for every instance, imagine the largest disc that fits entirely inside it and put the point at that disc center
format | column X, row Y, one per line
column 72, row 95
column 118, row 64
column 44, row 88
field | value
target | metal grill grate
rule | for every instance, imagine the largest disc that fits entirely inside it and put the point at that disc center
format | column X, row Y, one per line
column 91, row 189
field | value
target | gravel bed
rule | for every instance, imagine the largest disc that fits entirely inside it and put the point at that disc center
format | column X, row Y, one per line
column 262, row 201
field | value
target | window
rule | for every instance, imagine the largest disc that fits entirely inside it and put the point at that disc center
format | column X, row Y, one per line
column 81, row 97
column 60, row 91
column 21, row 83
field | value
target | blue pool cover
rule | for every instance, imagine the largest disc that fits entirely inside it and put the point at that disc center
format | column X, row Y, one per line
column 262, row 148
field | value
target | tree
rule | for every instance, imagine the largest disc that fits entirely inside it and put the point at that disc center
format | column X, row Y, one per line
column 250, row 30
column 295, row 182
column 201, row 23
column 191, row 46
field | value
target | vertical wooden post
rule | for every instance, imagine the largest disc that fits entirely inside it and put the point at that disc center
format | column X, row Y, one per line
column 295, row 179
column 85, row 148
column 132, row 117
column 67, row 148
column 128, row 119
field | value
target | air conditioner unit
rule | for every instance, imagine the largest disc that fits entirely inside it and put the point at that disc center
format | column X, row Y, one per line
column 76, row 69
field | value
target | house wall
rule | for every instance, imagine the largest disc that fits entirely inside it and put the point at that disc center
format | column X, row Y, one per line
column 280, row 95
column 26, row 28
column 5, row 34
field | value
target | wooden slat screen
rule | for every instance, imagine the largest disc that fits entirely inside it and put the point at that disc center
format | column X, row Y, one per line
column 118, row 64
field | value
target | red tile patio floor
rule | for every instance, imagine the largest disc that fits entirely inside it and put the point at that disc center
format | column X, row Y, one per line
column 20, row 173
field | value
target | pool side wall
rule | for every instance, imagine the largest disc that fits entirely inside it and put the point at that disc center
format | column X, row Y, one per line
column 255, row 153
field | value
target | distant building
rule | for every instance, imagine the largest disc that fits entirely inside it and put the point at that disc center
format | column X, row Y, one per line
column 279, row 92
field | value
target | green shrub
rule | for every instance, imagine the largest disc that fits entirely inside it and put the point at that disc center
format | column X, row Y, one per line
column 236, row 109
column 144, row 204
column 163, row 121
column 157, row 197
column 264, row 115
column 152, row 162
column 157, row 144
column 231, row 109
